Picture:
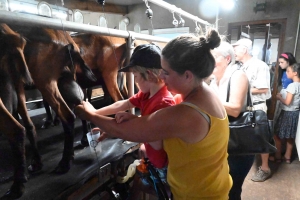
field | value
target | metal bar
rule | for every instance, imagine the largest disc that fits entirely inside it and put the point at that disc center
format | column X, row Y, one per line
column 130, row 77
column 297, row 35
column 45, row 22
column 34, row 101
column 173, row 8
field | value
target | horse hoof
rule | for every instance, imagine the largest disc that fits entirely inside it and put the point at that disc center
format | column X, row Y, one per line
column 35, row 166
column 63, row 167
column 15, row 192
column 56, row 122
column 47, row 124
column 84, row 141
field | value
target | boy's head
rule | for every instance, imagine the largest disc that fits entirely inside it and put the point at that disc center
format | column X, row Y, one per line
column 145, row 58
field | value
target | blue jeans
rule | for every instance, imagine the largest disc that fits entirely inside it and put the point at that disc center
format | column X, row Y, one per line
column 239, row 167
column 162, row 173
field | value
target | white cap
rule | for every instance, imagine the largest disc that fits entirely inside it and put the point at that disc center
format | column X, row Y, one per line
column 244, row 42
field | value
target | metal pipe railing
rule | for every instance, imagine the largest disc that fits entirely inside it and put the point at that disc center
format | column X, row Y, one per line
column 173, row 8
column 45, row 22
column 297, row 35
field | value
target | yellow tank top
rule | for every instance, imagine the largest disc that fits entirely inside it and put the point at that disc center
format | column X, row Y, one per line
column 200, row 170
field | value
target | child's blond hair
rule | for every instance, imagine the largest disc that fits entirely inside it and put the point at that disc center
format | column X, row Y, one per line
column 144, row 74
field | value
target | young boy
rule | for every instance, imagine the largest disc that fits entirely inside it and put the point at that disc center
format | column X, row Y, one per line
column 152, row 96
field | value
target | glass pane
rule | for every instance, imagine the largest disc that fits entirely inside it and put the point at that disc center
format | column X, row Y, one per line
column 3, row 5
column 78, row 17
column 44, row 9
column 137, row 28
column 122, row 26
column 102, row 22
column 234, row 35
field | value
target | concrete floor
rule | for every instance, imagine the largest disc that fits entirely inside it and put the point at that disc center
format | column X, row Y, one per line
column 283, row 185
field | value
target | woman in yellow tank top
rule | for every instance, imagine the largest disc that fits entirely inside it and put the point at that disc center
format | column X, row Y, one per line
column 195, row 132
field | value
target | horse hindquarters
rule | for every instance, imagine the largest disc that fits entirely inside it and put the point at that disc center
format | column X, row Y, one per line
column 16, row 136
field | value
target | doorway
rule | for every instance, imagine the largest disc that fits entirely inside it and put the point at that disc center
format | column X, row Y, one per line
column 268, row 41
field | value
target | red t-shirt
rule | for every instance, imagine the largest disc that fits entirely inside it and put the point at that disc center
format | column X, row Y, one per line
column 163, row 98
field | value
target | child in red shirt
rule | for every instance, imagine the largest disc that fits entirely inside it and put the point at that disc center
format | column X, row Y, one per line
column 152, row 96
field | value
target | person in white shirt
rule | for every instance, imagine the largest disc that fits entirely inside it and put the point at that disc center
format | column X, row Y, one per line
column 258, row 75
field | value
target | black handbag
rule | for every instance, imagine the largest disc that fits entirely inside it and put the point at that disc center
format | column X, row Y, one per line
column 249, row 132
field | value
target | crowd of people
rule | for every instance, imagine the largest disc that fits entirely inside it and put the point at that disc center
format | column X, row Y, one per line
column 184, row 121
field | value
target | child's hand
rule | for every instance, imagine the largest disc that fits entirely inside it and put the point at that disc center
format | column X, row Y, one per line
column 124, row 116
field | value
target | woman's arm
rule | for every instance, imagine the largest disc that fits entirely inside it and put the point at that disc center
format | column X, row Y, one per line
column 118, row 106
column 238, row 93
column 157, row 126
column 259, row 90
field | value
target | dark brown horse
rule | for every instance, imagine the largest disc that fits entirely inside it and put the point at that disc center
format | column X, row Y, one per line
column 13, row 74
column 49, row 53
column 105, row 56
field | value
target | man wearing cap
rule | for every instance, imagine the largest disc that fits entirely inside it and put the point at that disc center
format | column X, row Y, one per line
column 152, row 96
column 258, row 74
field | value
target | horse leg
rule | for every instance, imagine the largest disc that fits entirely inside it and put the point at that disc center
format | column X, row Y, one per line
column 36, row 162
column 49, row 119
column 84, row 141
column 68, row 153
column 122, row 84
column 72, row 94
column 110, row 80
column 53, row 97
column 16, row 136
column 56, row 120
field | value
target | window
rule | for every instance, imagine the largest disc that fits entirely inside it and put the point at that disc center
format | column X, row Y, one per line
column 3, row 5
column 102, row 22
column 122, row 26
column 78, row 16
column 137, row 28
column 44, row 9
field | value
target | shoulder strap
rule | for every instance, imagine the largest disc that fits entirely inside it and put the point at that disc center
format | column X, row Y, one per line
column 206, row 117
column 249, row 101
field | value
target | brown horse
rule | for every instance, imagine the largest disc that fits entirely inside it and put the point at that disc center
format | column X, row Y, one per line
column 47, row 54
column 13, row 74
column 105, row 56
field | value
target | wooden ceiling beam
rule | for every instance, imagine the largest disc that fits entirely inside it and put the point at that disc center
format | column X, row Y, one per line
column 91, row 6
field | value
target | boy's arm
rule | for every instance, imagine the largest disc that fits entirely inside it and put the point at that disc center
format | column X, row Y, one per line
column 118, row 106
